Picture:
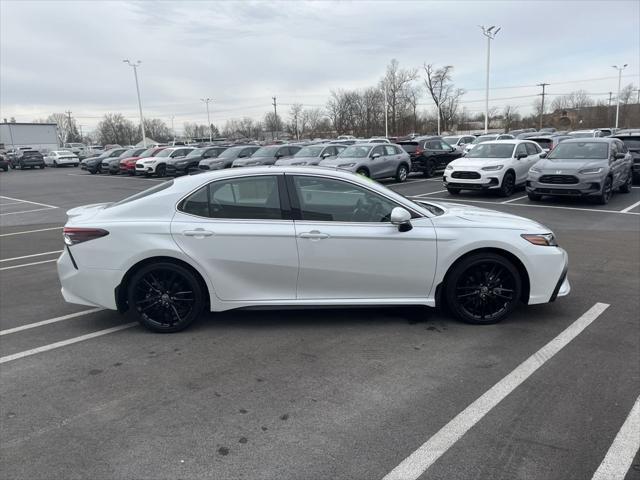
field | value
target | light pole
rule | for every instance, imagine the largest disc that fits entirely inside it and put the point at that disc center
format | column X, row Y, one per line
column 620, row 69
column 490, row 33
column 386, row 116
column 206, row 101
column 135, row 74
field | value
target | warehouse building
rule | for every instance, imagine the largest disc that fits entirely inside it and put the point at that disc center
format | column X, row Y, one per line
column 39, row 136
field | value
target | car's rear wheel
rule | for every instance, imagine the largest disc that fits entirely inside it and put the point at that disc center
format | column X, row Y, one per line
column 607, row 191
column 55, row 164
column 626, row 187
column 41, row 166
column 402, row 173
column 483, row 288
column 508, row 185
column 363, row 171
column 165, row 297
column 161, row 170
column 429, row 169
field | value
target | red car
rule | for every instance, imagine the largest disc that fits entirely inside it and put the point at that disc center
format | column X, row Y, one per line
column 128, row 165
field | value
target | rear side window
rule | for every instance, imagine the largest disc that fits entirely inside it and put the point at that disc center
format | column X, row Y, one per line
column 390, row 150
column 247, row 198
column 532, row 149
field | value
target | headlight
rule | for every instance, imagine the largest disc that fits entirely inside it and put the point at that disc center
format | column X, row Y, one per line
column 591, row 171
column 542, row 239
column 182, row 162
column 449, row 167
column 149, row 162
column 493, row 168
column 535, row 170
column 346, row 165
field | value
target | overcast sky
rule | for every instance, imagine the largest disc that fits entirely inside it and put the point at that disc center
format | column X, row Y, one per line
column 57, row 56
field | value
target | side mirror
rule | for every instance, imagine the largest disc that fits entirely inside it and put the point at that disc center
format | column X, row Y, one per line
column 325, row 155
column 452, row 149
column 521, row 155
column 401, row 218
column 543, row 155
column 375, row 155
column 620, row 156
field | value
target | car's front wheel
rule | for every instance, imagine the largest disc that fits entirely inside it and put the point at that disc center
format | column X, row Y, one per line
column 453, row 191
column 607, row 191
column 483, row 288
column 363, row 171
column 508, row 185
column 626, row 186
column 534, row 197
column 402, row 173
column 165, row 297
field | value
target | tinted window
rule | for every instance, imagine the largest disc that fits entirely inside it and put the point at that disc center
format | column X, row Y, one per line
column 579, row 151
column 492, row 150
column 355, row 152
column 390, row 150
column 521, row 150
column 531, row 149
column 378, row 150
column 324, row 199
column 249, row 198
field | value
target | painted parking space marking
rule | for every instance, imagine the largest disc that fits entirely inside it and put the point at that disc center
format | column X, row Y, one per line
column 429, row 193
column 515, row 199
column 29, row 326
column 64, row 343
column 28, row 201
column 28, row 204
column 30, row 256
column 412, row 467
column 629, row 208
column 28, row 264
column 30, row 231
column 116, row 177
column 620, row 455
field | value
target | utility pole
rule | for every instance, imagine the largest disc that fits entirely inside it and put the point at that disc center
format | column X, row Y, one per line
column 135, row 74
column 173, row 132
column 295, row 119
column 386, row 115
column 609, row 110
column 275, row 118
column 80, row 126
column 206, row 101
column 490, row 33
column 620, row 69
column 543, row 85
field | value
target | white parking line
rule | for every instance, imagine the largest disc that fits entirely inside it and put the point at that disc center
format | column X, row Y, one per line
column 122, row 177
column 515, row 199
column 27, row 211
column 419, row 461
column 28, row 264
column 29, row 256
column 10, row 203
column 28, row 201
column 430, row 193
column 9, row 331
column 630, row 208
column 624, row 447
column 30, row 231
column 63, row 343
column 414, row 181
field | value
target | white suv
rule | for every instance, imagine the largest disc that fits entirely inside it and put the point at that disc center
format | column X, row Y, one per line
column 496, row 165
column 158, row 164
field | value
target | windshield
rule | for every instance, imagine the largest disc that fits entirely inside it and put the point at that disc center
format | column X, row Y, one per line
column 632, row 143
column 580, row 151
column 484, row 139
column 581, row 135
column 148, row 153
column 451, row 140
column 266, row 152
column 129, row 153
column 492, row 150
column 355, row 151
column 231, row 152
column 165, row 153
column 309, row 152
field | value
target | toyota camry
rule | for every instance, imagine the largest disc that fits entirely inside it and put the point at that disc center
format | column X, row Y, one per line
column 301, row 237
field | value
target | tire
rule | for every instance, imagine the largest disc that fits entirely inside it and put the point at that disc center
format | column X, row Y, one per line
column 5, row 168
column 55, row 164
column 453, row 191
column 534, row 197
column 21, row 166
column 165, row 297
column 92, row 171
column 363, row 171
column 430, row 169
column 161, row 170
column 607, row 191
column 508, row 185
column 626, row 187
column 12, row 166
column 402, row 173
column 75, row 165
column 482, row 289
column 41, row 167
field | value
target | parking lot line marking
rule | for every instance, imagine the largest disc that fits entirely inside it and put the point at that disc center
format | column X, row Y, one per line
column 30, row 231
column 515, row 199
column 630, row 208
column 618, row 459
column 27, row 211
column 420, row 460
column 28, row 264
column 10, row 203
column 116, row 176
column 430, row 193
column 456, row 200
column 28, row 201
column 29, row 326
column 29, row 256
column 414, row 181
column 64, row 343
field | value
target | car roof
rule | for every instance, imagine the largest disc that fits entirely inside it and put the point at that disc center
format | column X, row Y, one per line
column 591, row 140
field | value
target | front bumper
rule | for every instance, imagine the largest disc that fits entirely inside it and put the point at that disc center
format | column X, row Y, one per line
column 488, row 180
column 584, row 188
column 145, row 169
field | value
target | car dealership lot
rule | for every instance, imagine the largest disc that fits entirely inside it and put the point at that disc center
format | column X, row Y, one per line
column 341, row 393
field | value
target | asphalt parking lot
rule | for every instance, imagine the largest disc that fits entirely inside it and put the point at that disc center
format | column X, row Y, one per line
column 322, row 394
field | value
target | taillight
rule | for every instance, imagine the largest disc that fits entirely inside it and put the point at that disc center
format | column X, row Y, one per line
column 419, row 151
column 73, row 236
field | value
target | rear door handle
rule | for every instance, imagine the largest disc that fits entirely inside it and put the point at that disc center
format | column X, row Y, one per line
column 197, row 233
column 314, row 235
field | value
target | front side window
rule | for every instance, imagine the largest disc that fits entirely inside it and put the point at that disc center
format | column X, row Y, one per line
column 246, row 198
column 330, row 200
column 531, row 149
column 521, row 150
column 378, row 150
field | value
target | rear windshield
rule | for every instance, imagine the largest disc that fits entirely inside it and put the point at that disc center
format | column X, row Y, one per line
column 484, row 139
column 580, row 151
column 266, row 152
column 144, row 193
column 632, row 143
column 409, row 147
column 30, row 153
column 492, row 150
column 543, row 142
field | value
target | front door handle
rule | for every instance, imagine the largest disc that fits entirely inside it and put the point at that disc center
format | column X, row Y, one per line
column 314, row 235
column 197, row 233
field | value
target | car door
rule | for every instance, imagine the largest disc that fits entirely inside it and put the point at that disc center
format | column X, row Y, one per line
column 240, row 232
column 534, row 152
column 616, row 165
column 378, row 165
column 347, row 247
column 520, row 165
column 448, row 154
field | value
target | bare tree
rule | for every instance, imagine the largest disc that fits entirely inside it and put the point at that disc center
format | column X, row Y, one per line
column 67, row 127
column 157, row 130
column 272, row 122
column 577, row 99
column 294, row 115
column 509, row 115
column 311, row 119
column 114, row 128
column 193, row 130
column 396, row 81
column 443, row 92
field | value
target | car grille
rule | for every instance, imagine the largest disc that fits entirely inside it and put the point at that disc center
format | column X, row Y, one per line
column 466, row 175
column 553, row 191
column 466, row 186
column 203, row 167
column 559, row 179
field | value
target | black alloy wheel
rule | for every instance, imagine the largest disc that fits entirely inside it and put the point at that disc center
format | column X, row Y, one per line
column 430, row 169
column 165, row 297
column 607, row 192
column 161, row 170
column 453, row 191
column 363, row 172
column 483, row 289
column 508, row 185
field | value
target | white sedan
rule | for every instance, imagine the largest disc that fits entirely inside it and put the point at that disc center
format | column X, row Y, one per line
column 58, row 158
column 301, row 236
column 499, row 165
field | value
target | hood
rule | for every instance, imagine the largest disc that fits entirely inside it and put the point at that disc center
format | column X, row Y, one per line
column 241, row 162
column 560, row 166
column 483, row 217
column 294, row 160
column 86, row 211
column 129, row 160
column 334, row 162
column 477, row 163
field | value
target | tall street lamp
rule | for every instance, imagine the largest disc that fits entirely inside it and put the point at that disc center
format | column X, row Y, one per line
column 135, row 74
column 206, row 101
column 490, row 33
column 620, row 69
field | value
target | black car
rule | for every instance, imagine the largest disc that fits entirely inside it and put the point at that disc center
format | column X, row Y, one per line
column 4, row 163
column 111, row 165
column 429, row 154
column 226, row 158
column 631, row 139
column 191, row 161
column 93, row 165
column 27, row 159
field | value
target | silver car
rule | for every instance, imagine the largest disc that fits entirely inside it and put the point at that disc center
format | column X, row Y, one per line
column 373, row 160
column 593, row 168
column 226, row 158
column 267, row 155
column 312, row 155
